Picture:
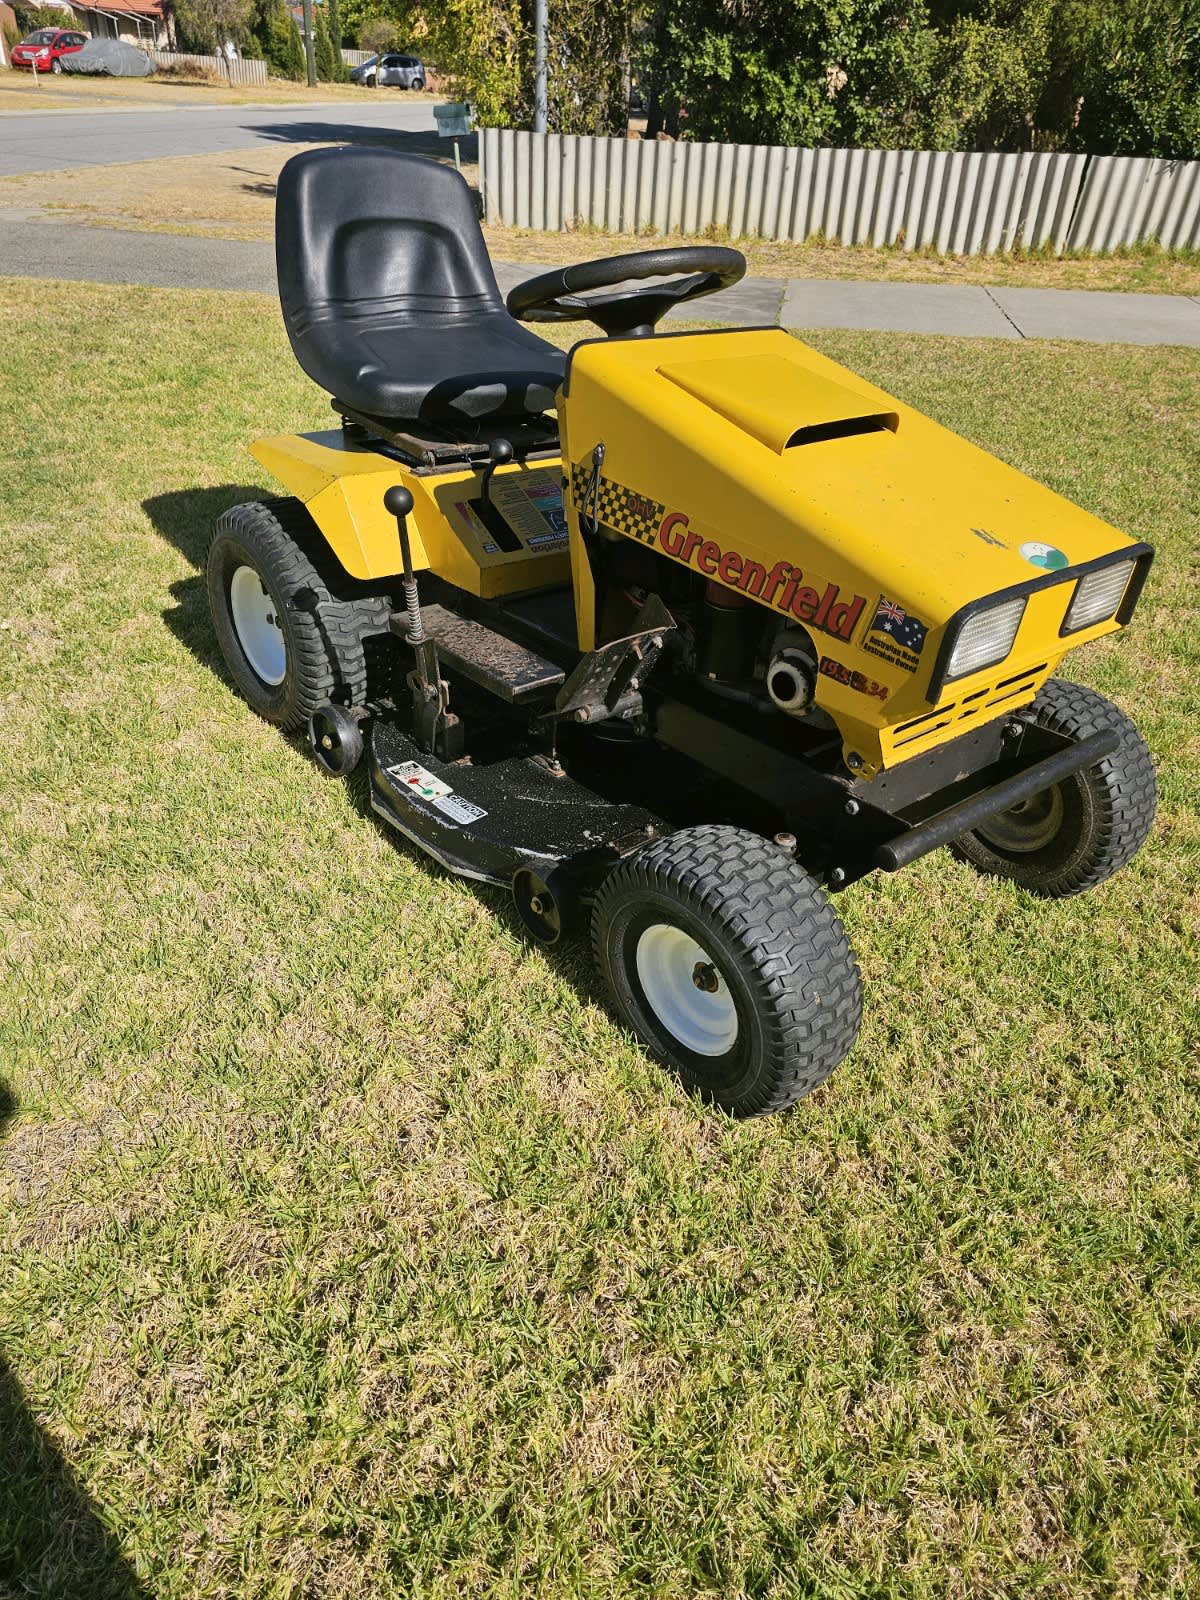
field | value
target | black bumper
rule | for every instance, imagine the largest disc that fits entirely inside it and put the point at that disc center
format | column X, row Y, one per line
column 990, row 802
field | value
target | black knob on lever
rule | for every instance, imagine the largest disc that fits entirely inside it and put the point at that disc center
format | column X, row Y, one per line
column 399, row 502
column 500, row 452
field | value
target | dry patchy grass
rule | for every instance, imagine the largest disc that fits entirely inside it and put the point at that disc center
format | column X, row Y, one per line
column 19, row 92
column 352, row 1250
column 228, row 195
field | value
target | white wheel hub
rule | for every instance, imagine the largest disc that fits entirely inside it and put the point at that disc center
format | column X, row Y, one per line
column 1028, row 826
column 257, row 626
column 685, row 990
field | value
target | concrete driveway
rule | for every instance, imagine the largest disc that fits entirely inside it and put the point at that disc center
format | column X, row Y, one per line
column 52, row 141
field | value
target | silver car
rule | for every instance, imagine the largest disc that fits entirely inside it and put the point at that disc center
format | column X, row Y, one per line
column 397, row 71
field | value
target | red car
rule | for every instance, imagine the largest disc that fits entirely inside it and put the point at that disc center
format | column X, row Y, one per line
column 43, row 50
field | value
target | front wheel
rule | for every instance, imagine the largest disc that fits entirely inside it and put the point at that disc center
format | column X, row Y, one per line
column 728, row 961
column 56, row 67
column 1073, row 835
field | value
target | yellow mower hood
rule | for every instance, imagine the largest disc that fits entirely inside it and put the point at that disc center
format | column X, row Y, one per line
column 771, row 469
column 802, row 457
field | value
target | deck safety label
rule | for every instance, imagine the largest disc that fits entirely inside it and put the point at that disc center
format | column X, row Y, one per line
column 458, row 809
column 414, row 776
column 411, row 775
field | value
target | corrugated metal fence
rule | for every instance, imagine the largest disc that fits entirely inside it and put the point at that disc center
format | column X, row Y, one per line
column 239, row 70
column 956, row 201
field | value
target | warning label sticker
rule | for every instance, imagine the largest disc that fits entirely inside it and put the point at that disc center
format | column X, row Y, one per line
column 414, row 776
column 418, row 781
column 458, row 809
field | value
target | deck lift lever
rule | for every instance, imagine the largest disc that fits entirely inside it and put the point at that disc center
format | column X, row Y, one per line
column 435, row 727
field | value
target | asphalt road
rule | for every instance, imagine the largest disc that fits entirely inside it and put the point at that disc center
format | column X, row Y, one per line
column 51, row 141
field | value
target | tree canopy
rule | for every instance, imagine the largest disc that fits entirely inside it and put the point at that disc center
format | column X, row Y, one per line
column 1107, row 76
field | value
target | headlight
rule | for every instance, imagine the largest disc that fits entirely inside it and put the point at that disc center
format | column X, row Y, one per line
column 985, row 638
column 1097, row 596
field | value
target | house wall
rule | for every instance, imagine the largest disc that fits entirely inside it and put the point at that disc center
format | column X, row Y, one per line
column 148, row 32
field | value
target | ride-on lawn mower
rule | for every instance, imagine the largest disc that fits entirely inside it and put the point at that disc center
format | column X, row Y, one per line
column 728, row 629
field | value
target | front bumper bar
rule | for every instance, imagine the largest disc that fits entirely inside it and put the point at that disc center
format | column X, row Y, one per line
column 968, row 814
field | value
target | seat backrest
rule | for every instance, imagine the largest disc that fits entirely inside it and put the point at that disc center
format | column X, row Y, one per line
column 365, row 233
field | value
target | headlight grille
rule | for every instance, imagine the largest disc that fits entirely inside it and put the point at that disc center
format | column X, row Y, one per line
column 1097, row 596
column 986, row 638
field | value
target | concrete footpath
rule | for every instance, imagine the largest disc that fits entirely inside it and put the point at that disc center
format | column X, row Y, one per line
column 32, row 247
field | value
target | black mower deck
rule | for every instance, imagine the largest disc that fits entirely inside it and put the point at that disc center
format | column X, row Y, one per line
column 487, row 822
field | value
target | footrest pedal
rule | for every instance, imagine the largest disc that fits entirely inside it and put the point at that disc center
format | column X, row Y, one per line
column 489, row 659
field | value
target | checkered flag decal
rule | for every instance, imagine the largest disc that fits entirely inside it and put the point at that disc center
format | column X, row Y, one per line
column 621, row 509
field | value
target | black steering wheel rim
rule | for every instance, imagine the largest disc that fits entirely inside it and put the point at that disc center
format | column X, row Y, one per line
column 562, row 294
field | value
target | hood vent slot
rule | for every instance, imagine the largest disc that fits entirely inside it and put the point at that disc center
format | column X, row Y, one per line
column 846, row 428
column 780, row 400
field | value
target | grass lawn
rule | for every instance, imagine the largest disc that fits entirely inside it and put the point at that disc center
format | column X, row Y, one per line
column 349, row 1247
column 231, row 195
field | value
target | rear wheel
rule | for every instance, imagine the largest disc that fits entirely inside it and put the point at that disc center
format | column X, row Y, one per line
column 730, row 964
column 289, row 642
column 1073, row 835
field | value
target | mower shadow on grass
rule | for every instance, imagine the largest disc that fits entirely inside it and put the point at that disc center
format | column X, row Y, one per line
column 52, row 1539
column 184, row 518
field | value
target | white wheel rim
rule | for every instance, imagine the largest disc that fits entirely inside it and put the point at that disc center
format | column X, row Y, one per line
column 677, row 976
column 256, row 626
column 1029, row 826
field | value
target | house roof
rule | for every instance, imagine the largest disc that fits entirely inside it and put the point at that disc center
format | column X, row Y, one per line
column 132, row 8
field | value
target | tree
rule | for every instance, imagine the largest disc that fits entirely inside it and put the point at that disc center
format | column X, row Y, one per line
column 1126, row 77
column 30, row 18
column 1101, row 75
column 377, row 34
column 990, row 69
column 279, row 39
column 397, row 15
column 813, row 72
column 327, row 64
column 205, row 25
column 487, row 48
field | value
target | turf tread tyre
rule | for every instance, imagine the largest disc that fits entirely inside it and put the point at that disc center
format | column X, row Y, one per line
column 324, row 632
column 1112, row 804
column 763, row 915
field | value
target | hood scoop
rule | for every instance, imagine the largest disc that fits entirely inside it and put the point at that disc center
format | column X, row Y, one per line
column 779, row 402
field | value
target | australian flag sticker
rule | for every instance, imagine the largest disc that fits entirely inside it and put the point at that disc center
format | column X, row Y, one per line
column 895, row 635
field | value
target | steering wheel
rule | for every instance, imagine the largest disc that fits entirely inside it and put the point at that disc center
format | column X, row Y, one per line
column 561, row 295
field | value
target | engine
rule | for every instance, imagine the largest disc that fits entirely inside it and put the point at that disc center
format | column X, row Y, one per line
column 728, row 642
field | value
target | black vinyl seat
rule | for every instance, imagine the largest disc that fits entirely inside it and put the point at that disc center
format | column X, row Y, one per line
column 388, row 294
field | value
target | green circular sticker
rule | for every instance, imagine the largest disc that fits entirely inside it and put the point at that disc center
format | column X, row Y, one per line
column 1046, row 556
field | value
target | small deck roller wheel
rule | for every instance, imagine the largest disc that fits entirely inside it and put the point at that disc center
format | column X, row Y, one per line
column 1073, row 835
column 288, row 645
column 336, row 739
column 729, row 962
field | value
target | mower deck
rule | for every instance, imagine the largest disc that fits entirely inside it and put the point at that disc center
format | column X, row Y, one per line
column 487, row 821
